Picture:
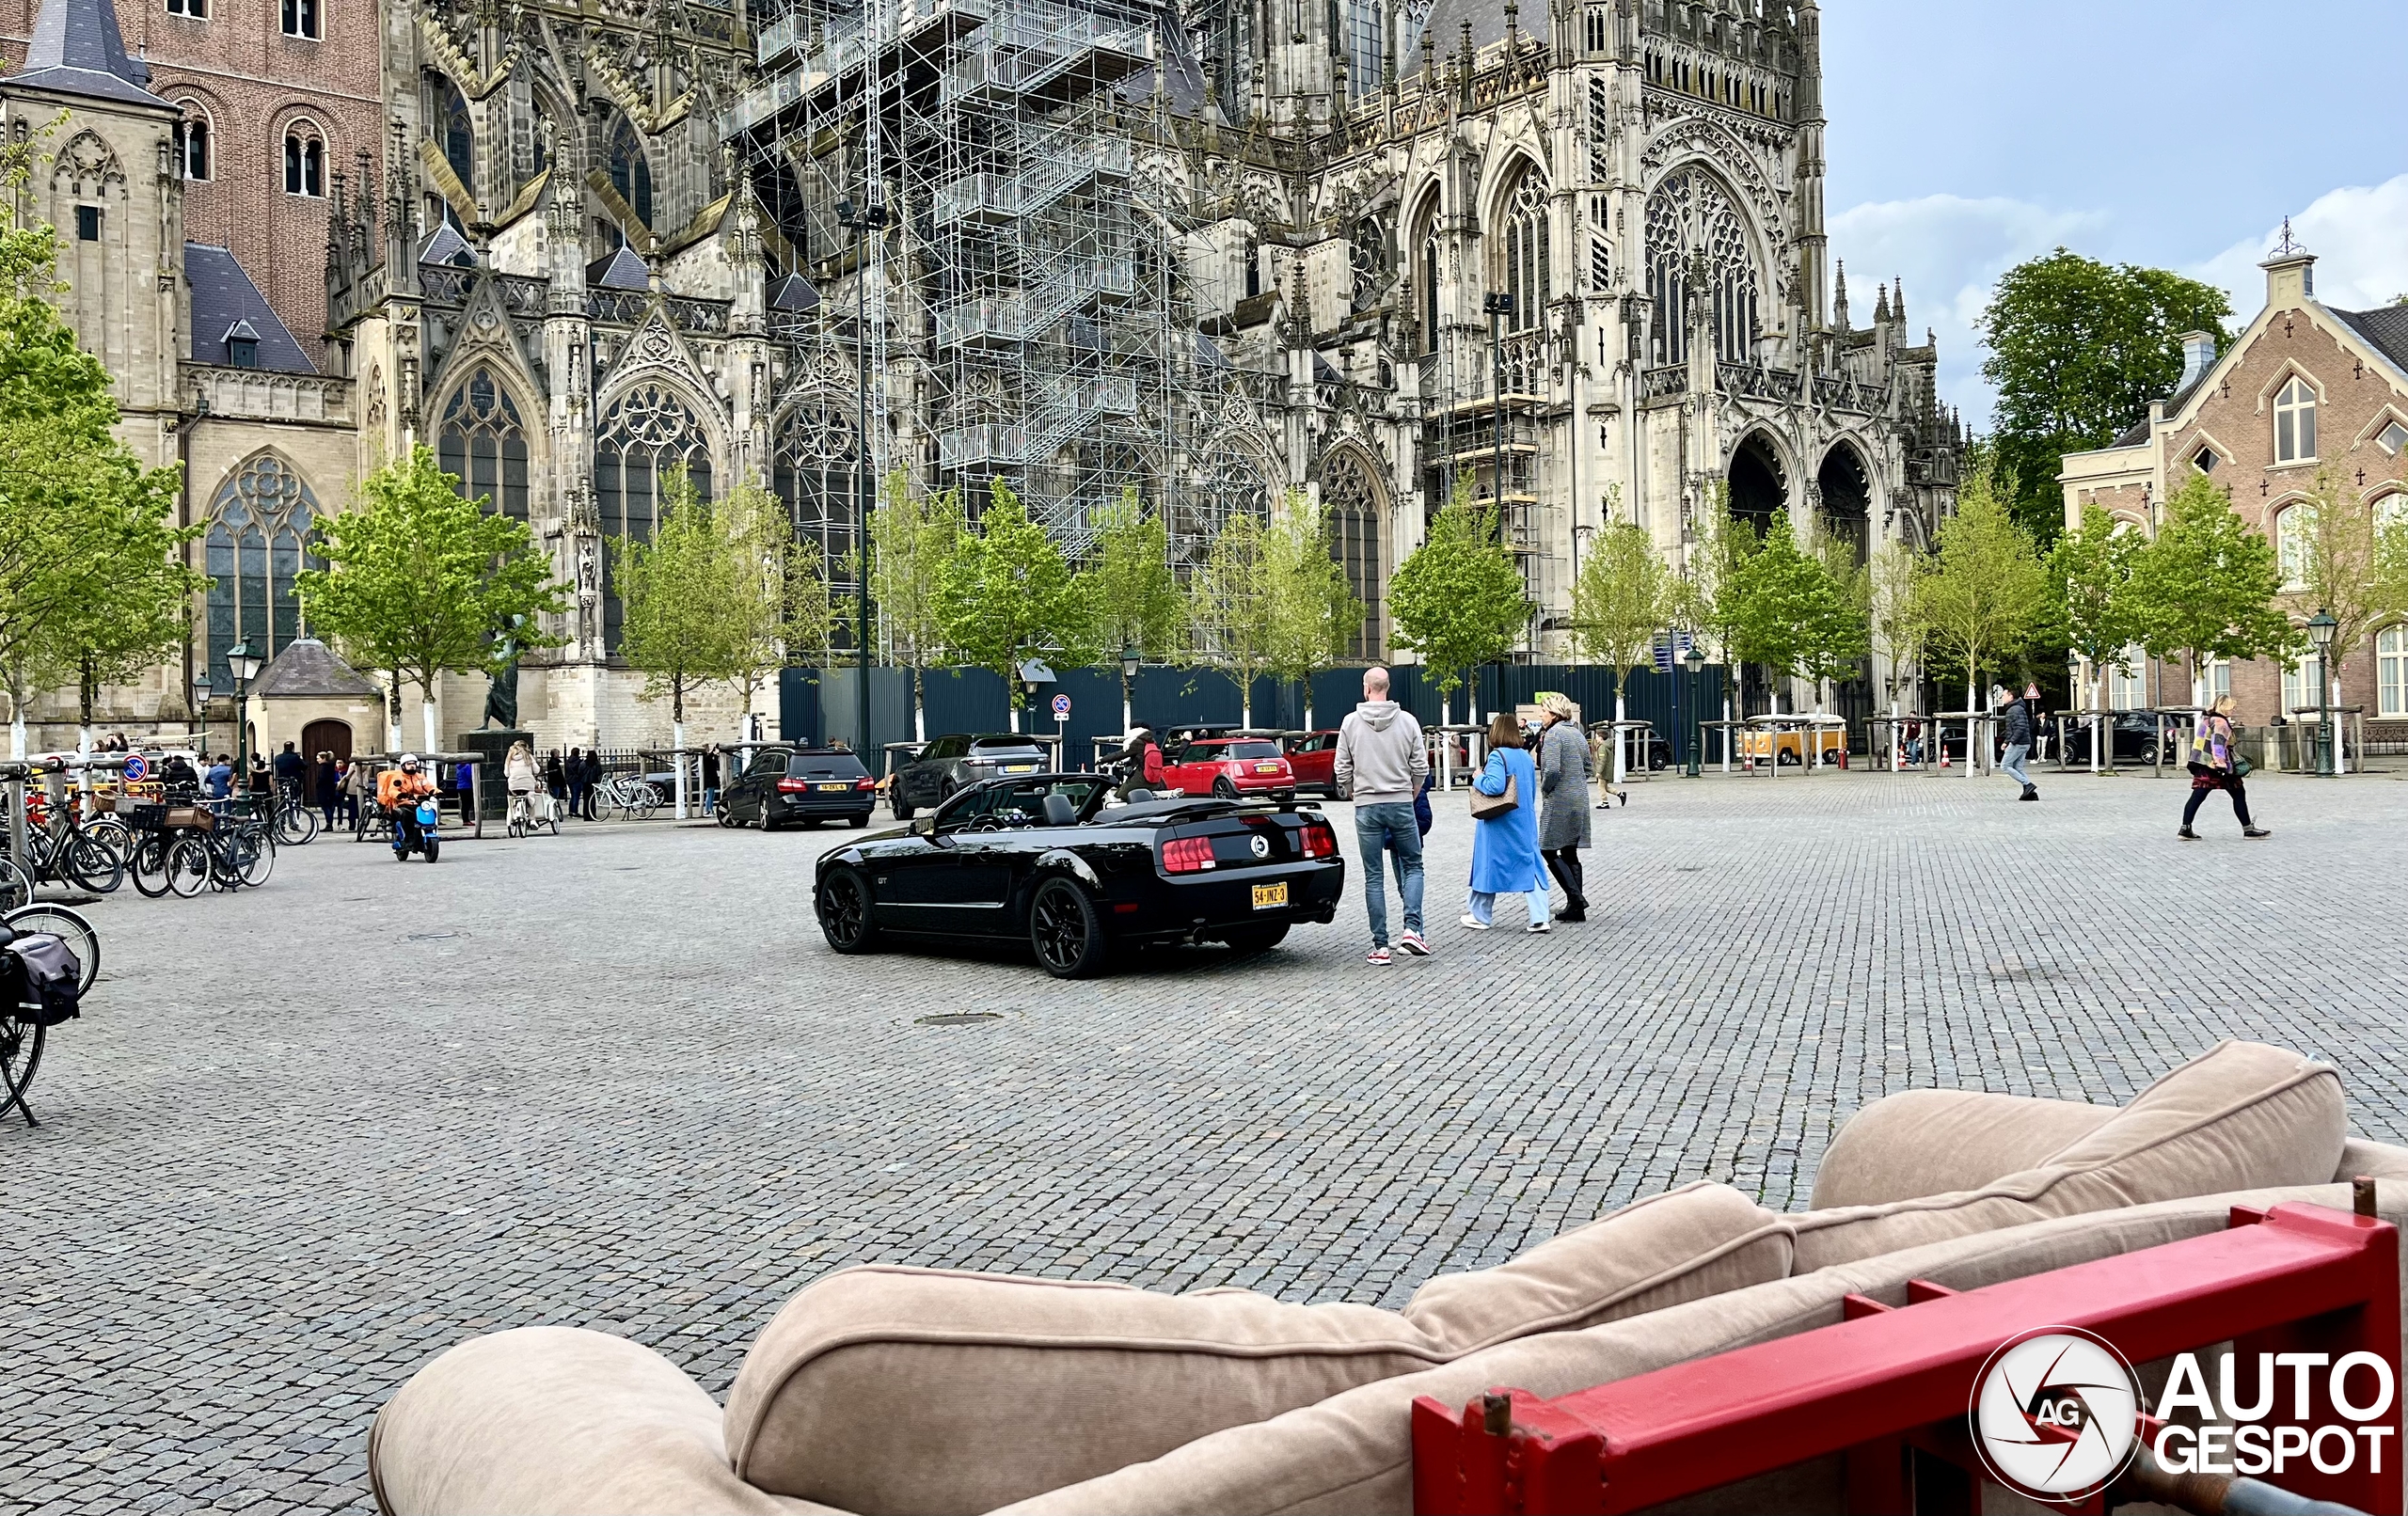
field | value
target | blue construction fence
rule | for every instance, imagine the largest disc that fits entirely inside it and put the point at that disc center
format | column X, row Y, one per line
column 824, row 705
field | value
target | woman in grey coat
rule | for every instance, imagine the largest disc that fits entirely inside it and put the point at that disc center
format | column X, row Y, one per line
column 1564, row 769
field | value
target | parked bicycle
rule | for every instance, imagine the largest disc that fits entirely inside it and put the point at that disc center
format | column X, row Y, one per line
column 66, row 849
column 630, row 796
column 184, row 849
column 45, row 991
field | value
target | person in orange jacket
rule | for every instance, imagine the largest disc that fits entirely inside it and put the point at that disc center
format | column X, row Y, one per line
column 398, row 790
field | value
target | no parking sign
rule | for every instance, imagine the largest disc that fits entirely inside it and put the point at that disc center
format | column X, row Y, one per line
column 135, row 767
column 1061, row 707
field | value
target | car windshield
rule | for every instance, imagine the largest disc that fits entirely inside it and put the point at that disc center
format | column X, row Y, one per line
column 1005, row 742
column 825, row 765
column 996, row 807
column 1246, row 750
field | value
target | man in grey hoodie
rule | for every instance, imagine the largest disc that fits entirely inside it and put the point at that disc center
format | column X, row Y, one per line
column 1381, row 765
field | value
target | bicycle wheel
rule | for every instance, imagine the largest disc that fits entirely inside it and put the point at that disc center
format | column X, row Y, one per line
column 295, row 827
column 188, row 870
column 92, row 862
column 69, row 926
column 112, row 827
column 20, row 1055
column 647, row 799
column 256, row 859
column 147, row 863
column 15, row 888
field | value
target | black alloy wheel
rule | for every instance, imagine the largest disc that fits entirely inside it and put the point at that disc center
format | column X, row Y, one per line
column 726, row 812
column 1224, row 788
column 859, row 821
column 901, row 807
column 1255, row 939
column 1067, row 931
column 845, row 913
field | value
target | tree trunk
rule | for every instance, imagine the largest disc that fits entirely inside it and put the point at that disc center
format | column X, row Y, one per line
column 677, row 742
column 1127, row 721
column 918, row 709
column 426, row 713
column 2102, row 729
column 1620, row 773
column 84, row 690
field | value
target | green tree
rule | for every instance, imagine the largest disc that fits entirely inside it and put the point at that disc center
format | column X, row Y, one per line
column 682, row 595
column 2077, row 351
column 417, row 579
column 2204, row 586
column 779, row 607
column 1314, row 613
column 1620, row 599
column 1231, row 604
column 1895, row 608
column 1773, row 594
column 2091, row 607
column 2339, row 567
column 1458, row 600
column 1007, row 594
column 1136, row 595
column 913, row 539
column 1988, row 592
column 1837, row 629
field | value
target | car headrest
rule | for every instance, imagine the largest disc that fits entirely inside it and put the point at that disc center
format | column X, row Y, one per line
column 1060, row 812
column 1140, row 793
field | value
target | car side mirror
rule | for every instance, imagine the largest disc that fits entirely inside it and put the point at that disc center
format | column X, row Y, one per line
column 924, row 826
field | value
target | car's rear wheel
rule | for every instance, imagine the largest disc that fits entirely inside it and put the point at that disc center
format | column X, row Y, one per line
column 1255, row 939
column 767, row 825
column 902, row 808
column 1066, row 930
column 860, row 821
column 845, row 912
column 1288, row 797
column 726, row 814
column 1223, row 789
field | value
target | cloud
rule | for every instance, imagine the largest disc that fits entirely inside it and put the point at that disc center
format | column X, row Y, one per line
column 1951, row 252
column 2360, row 235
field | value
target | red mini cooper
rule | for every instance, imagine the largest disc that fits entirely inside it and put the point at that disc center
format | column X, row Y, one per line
column 1231, row 767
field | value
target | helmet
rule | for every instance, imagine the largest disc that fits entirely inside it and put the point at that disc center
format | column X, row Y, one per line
column 409, row 762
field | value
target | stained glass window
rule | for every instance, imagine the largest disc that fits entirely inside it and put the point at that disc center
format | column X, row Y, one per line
column 259, row 532
column 1691, row 213
column 1526, row 270
column 483, row 443
column 647, row 436
column 815, row 475
column 1353, row 502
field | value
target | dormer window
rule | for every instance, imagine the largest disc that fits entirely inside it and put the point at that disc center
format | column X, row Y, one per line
column 2392, row 439
column 2205, row 460
column 242, row 346
column 2294, row 421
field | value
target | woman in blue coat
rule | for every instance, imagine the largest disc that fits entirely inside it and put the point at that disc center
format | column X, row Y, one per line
column 1505, row 848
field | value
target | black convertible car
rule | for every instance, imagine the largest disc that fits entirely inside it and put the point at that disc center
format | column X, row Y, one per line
column 1043, row 858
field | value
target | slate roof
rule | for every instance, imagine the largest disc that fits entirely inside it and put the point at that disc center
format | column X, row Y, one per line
column 223, row 298
column 622, row 270
column 1445, row 33
column 793, row 293
column 1182, row 76
column 2385, row 329
column 77, row 49
column 445, row 245
column 308, row 667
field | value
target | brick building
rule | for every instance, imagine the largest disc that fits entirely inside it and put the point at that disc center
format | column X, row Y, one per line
column 2305, row 388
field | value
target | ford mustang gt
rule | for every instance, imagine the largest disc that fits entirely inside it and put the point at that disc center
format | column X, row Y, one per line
column 1054, row 860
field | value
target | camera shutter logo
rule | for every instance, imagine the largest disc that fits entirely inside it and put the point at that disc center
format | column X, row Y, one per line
column 2056, row 1413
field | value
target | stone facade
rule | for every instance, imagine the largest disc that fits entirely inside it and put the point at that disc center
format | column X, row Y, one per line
column 2305, row 388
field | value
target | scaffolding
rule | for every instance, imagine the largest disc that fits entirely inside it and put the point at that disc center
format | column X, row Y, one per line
column 1026, row 315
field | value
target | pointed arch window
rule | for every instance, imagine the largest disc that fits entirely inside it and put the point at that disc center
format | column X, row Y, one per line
column 1693, row 226
column 1525, row 278
column 1429, row 282
column 454, row 130
column 262, row 527
column 814, row 475
column 631, row 168
column 483, row 444
column 647, row 437
column 1353, row 503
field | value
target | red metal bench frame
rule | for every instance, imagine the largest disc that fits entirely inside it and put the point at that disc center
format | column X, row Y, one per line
column 2298, row 1278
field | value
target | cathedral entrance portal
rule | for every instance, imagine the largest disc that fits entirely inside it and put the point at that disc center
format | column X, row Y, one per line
column 1847, row 517
column 1757, row 493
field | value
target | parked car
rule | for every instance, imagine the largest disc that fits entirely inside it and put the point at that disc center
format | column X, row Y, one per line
column 957, row 761
column 1048, row 858
column 1313, row 755
column 1232, row 767
column 802, row 785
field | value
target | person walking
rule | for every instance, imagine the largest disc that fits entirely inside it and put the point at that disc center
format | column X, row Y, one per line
column 1505, row 839
column 2017, row 715
column 1565, row 770
column 577, row 783
column 325, row 787
column 356, row 789
column 1381, row 763
column 219, row 782
column 556, row 777
column 2216, row 764
column 710, row 782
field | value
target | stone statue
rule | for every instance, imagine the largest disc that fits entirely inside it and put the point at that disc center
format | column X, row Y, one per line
column 501, row 700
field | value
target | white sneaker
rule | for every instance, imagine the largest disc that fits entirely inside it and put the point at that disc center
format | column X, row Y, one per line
column 1540, row 926
column 1474, row 922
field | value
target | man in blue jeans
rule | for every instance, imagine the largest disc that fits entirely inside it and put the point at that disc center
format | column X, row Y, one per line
column 1381, row 765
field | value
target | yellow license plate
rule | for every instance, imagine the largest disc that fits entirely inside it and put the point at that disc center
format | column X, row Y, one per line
column 838, row 788
column 1019, row 768
column 1268, row 896
column 1266, row 768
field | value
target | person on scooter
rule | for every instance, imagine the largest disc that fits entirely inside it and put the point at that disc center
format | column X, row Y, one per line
column 398, row 790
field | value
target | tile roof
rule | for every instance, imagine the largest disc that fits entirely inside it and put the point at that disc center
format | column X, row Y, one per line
column 308, row 667
column 2385, row 328
column 77, row 49
column 622, row 270
column 222, row 300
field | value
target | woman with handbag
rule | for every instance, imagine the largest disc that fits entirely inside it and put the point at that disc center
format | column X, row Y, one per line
column 1505, row 833
column 2216, row 764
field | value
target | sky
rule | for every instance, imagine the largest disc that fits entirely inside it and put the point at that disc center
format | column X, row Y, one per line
column 1966, row 135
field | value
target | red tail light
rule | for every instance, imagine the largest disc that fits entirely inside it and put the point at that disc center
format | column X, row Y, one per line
column 1319, row 842
column 1186, row 855
column 865, row 782
column 793, row 787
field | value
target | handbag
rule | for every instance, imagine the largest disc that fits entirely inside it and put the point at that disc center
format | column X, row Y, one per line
column 1489, row 807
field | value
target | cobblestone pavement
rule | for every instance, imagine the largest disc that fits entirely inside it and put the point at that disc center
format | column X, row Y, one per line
column 308, row 1136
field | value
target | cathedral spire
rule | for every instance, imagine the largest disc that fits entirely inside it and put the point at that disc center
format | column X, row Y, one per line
column 1839, row 299
column 1880, row 305
column 1898, row 304
column 77, row 49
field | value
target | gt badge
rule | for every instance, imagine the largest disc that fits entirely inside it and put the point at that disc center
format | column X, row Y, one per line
column 1261, row 846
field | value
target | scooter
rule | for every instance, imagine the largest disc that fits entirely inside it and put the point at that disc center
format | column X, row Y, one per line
column 428, row 841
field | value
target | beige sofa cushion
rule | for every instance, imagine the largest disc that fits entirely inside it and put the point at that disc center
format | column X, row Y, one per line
column 1352, row 1455
column 2374, row 1160
column 2239, row 1116
column 891, row 1391
column 1937, row 1142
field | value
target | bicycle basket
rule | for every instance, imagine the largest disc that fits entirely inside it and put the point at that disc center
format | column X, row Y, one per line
column 144, row 817
column 199, row 817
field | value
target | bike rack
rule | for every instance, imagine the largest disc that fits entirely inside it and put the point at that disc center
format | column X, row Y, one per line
column 2299, row 1278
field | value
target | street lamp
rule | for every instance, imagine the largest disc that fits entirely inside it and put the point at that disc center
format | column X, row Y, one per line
column 201, row 681
column 1694, row 660
column 243, row 661
column 861, row 221
column 1130, row 659
column 2322, row 628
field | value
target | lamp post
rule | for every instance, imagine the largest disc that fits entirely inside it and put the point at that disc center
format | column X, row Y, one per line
column 1694, row 660
column 2320, row 630
column 243, row 661
column 861, row 221
column 201, row 683
column 1130, row 659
